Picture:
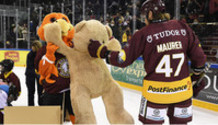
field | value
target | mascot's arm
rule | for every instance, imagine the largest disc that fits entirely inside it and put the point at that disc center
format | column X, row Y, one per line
column 96, row 49
column 123, row 58
column 52, row 32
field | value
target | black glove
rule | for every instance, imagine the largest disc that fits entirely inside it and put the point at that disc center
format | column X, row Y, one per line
column 199, row 84
column 96, row 49
column 10, row 98
column 13, row 94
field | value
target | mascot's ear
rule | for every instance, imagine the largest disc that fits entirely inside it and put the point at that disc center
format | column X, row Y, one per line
column 109, row 31
column 80, row 25
column 112, row 44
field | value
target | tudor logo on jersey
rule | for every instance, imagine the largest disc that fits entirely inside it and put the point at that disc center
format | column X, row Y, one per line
column 63, row 68
column 166, row 33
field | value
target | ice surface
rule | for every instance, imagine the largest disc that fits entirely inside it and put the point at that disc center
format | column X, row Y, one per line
column 131, row 102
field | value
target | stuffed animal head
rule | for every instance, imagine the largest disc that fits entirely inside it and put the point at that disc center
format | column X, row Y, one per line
column 95, row 30
column 67, row 29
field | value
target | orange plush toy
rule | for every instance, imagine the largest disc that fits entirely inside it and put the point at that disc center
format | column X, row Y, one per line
column 46, row 64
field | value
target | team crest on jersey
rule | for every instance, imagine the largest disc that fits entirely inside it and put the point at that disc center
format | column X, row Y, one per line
column 149, row 38
column 63, row 68
column 156, row 112
column 184, row 111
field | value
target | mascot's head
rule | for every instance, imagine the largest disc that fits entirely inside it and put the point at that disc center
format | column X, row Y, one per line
column 67, row 28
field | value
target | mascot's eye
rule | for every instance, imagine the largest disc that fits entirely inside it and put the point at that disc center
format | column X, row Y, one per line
column 64, row 18
column 53, row 19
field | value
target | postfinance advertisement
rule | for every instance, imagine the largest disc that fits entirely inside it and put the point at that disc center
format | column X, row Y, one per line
column 132, row 77
column 18, row 56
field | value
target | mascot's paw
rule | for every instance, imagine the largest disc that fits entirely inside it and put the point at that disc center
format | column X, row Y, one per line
column 50, row 52
column 113, row 44
column 48, row 80
column 40, row 79
column 52, row 32
column 46, row 68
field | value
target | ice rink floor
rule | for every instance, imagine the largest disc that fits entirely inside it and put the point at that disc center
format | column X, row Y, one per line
column 131, row 101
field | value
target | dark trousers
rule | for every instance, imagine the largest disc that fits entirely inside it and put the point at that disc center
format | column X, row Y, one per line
column 57, row 99
column 1, row 118
column 30, row 82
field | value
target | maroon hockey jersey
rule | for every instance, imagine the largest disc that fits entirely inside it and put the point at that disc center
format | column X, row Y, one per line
column 63, row 80
column 11, row 78
column 165, row 48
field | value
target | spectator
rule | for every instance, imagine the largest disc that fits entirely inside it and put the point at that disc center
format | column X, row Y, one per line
column 98, row 9
column 126, row 36
column 213, row 10
column 114, row 28
column 128, row 17
column 9, row 44
column 32, row 76
column 114, row 7
column 194, row 10
column 24, row 32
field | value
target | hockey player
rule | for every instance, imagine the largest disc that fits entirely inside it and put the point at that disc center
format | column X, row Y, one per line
column 9, row 77
column 165, row 46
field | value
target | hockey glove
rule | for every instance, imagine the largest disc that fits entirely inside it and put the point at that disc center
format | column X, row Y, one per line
column 198, row 84
column 47, row 64
column 96, row 49
column 13, row 94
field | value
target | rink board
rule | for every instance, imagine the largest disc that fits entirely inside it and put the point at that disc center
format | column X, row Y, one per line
column 17, row 55
column 32, row 115
column 132, row 77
